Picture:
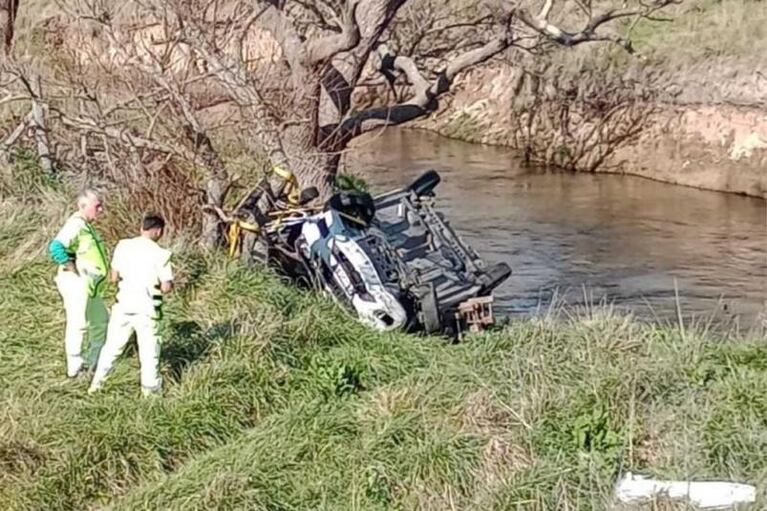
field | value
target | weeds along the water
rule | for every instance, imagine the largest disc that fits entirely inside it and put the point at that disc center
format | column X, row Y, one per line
column 276, row 399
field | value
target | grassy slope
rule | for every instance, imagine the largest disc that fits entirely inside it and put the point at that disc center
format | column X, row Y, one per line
column 276, row 399
column 711, row 51
column 706, row 28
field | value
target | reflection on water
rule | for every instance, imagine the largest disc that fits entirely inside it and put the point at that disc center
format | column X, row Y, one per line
column 621, row 238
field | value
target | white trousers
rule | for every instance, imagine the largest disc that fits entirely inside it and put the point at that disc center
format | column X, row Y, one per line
column 85, row 315
column 121, row 326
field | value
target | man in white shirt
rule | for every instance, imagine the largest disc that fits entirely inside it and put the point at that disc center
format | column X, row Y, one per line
column 143, row 273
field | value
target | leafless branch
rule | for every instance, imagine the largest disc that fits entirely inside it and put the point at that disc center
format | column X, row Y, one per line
column 40, row 125
column 544, row 14
column 246, row 26
column 424, row 97
column 541, row 24
column 5, row 145
column 314, row 7
column 122, row 135
column 318, row 51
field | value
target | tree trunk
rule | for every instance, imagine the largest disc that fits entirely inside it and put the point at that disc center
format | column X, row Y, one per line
column 40, row 129
column 8, row 10
column 216, row 188
column 313, row 163
column 211, row 232
column 318, row 170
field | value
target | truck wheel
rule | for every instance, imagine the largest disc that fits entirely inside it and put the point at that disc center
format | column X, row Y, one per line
column 425, row 184
column 427, row 300
column 495, row 275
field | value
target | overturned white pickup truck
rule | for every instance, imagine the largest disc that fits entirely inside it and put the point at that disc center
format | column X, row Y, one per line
column 392, row 258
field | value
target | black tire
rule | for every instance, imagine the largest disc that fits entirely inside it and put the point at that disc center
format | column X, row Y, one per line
column 427, row 302
column 425, row 184
column 493, row 277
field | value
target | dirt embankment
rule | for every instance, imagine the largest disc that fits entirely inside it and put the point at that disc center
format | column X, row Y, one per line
column 716, row 147
column 711, row 146
column 689, row 108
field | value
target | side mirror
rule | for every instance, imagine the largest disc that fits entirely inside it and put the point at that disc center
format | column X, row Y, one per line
column 308, row 195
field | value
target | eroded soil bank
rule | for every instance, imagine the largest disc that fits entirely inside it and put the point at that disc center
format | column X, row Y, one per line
column 710, row 146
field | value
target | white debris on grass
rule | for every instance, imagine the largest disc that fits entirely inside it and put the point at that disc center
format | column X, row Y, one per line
column 703, row 494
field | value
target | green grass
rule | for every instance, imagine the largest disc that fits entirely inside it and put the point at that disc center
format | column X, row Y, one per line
column 705, row 29
column 710, row 50
column 276, row 399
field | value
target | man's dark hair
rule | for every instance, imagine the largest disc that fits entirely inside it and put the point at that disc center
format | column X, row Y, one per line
column 152, row 221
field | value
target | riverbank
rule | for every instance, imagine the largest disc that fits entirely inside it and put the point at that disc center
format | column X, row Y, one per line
column 712, row 147
column 276, row 398
column 690, row 108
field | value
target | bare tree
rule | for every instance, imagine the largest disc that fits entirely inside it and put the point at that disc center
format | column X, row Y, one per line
column 325, row 47
column 298, row 100
column 578, row 122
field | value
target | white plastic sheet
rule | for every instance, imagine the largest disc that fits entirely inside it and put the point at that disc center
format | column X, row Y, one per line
column 705, row 495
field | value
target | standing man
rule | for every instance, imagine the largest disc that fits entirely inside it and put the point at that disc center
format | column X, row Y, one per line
column 143, row 271
column 80, row 279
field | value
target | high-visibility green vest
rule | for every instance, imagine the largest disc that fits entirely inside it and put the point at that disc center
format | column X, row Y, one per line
column 85, row 246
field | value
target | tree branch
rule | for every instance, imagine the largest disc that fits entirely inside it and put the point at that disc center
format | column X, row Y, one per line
column 234, row 78
column 544, row 14
column 321, row 50
column 389, row 63
column 249, row 21
column 5, row 145
column 123, row 135
column 425, row 95
column 41, row 130
column 541, row 24
column 477, row 56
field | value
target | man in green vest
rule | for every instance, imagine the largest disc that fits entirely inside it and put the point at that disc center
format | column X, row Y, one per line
column 82, row 270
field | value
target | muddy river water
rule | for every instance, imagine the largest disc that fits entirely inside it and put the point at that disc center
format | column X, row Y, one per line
column 586, row 238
